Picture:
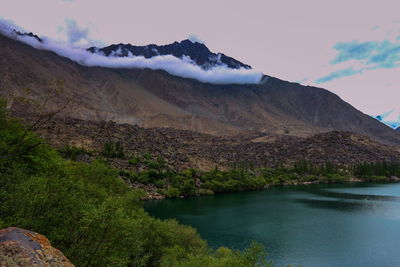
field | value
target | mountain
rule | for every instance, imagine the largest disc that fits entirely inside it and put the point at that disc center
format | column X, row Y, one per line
column 198, row 53
column 390, row 118
column 154, row 98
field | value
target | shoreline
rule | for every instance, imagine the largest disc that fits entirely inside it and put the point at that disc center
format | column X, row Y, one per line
column 353, row 180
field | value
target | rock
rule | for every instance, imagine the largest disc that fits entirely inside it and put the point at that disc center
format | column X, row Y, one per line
column 19, row 247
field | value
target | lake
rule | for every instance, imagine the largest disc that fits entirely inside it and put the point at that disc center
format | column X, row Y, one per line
column 316, row 225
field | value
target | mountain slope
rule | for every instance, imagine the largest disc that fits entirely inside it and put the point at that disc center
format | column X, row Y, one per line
column 156, row 99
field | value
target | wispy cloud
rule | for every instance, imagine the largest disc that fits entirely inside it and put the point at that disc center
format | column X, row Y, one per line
column 369, row 55
column 338, row 74
column 76, row 36
column 383, row 54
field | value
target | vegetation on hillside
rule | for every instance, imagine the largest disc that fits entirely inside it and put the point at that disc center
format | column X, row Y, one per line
column 244, row 177
column 90, row 214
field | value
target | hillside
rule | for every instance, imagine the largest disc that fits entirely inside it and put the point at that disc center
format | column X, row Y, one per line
column 184, row 149
column 151, row 98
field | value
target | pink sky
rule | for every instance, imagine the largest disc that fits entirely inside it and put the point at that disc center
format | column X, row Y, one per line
column 291, row 40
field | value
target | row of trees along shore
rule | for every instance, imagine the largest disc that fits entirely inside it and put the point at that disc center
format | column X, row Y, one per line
column 240, row 176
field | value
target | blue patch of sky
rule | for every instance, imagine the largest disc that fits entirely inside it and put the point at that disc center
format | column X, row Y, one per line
column 373, row 55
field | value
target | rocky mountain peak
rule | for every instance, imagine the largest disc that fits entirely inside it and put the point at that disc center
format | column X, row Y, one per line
column 197, row 52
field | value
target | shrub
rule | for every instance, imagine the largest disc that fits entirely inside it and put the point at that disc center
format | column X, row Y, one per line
column 72, row 152
column 206, row 192
column 113, row 149
column 172, row 192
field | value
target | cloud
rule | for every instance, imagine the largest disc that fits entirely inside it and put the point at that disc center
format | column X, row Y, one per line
column 384, row 54
column 179, row 67
column 76, row 36
column 368, row 55
column 338, row 74
column 195, row 39
column 353, row 50
column 390, row 118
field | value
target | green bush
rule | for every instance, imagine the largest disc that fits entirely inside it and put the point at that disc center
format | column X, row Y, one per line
column 206, row 192
column 72, row 152
column 172, row 192
column 113, row 149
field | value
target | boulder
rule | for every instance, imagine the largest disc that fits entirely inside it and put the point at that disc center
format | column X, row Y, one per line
column 19, row 247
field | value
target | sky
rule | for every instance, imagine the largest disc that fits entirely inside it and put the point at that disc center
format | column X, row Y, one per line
column 350, row 47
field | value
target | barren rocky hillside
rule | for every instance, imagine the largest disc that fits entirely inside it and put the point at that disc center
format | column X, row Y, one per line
column 187, row 149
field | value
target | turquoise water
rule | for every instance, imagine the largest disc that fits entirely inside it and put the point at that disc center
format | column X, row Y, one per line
column 341, row 225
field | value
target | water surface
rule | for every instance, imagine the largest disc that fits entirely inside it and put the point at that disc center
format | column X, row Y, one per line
column 318, row 225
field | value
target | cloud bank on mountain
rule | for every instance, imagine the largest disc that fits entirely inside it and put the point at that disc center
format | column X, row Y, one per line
column 183, row 67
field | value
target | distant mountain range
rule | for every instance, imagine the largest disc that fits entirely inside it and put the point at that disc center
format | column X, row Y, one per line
column 197, row 52
column 154, row 98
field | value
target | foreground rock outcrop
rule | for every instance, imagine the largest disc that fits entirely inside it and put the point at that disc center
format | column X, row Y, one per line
column 19, row 247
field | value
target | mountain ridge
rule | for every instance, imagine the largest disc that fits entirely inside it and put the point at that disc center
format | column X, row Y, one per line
column 197, row 52
column 154, row 98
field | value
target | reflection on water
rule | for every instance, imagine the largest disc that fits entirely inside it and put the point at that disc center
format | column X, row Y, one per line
column 340, row 225
column 338, row 205
column 343, row 195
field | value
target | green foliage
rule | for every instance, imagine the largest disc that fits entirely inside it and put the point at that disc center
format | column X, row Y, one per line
column 368, row 170
column 72, row 152
column 206, row 192
column 222, row 257
column 172, row 192
column 90, row 214
column 113, row 149
column 242, row 176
